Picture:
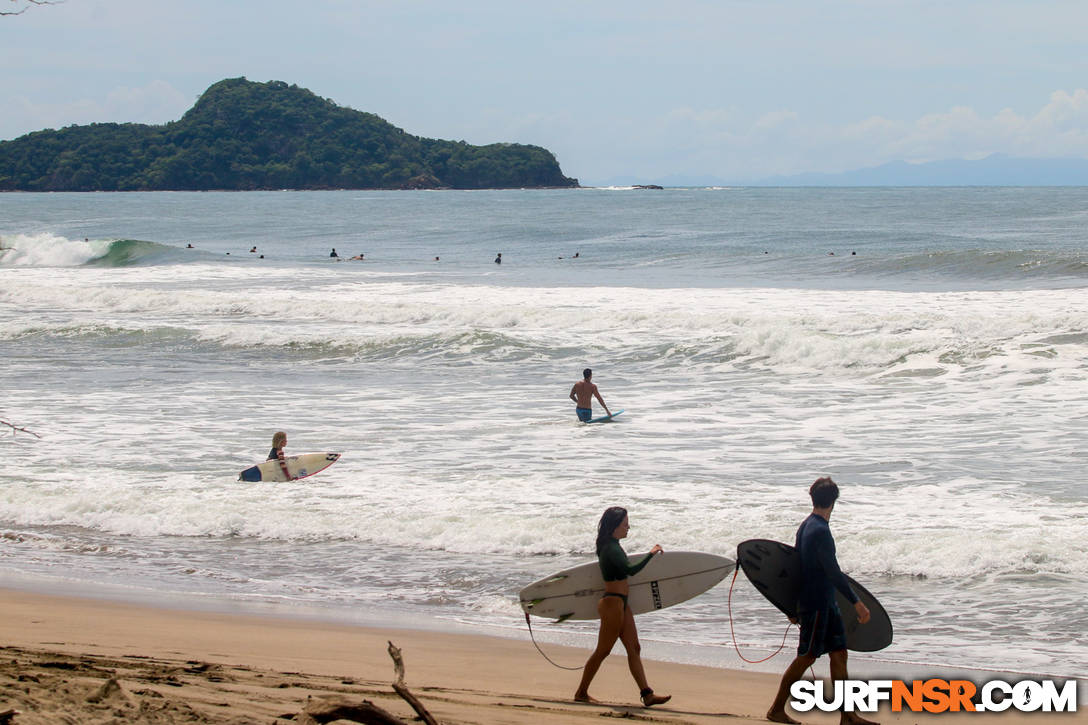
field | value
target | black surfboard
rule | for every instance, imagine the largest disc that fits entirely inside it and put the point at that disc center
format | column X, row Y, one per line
column 775, row 570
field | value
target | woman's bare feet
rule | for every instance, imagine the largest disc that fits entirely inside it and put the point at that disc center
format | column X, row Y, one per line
column 583, row 697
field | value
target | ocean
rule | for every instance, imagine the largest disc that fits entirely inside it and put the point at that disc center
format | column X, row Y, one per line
column 925, row 347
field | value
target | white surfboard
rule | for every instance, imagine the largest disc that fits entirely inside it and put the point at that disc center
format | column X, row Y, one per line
column 301, row 466
column 669, row 578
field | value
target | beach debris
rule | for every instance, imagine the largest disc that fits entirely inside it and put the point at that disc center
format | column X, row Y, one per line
column 401, row 689
column 110, row 690
column 330, row 709
column 326, row 710
column 15, row 428
column 7, row 715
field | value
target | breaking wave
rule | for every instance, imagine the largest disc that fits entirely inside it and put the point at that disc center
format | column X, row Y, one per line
column 51, row 250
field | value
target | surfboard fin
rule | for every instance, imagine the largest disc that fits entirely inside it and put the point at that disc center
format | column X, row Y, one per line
column 563, row 618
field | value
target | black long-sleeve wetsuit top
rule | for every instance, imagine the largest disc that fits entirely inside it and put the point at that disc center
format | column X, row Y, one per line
column 614, row 563
column 820, row 572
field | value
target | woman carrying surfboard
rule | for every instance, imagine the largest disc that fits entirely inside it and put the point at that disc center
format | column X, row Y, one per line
column 617, row 620
column 279, row 440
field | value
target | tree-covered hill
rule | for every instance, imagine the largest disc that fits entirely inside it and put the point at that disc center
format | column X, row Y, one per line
column 242, row 135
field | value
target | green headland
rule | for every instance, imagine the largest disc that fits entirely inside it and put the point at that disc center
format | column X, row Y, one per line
column 241, row 135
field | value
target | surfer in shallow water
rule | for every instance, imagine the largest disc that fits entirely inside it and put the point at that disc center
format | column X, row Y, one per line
column 822, row 630
column 583, row 393
column 279, row 440
column 617, row 620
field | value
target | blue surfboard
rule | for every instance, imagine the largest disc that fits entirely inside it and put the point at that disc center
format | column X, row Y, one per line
column 605, row 418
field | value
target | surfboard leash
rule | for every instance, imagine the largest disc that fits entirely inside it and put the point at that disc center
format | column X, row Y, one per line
column 550, row 660
column 734, row 634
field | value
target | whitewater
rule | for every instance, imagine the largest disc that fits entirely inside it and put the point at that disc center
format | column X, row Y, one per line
column 924, row 347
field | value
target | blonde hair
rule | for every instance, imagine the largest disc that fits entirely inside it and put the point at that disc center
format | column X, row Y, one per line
column 279, row 440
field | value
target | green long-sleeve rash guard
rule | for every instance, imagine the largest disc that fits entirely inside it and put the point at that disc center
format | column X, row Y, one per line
column 614, row 563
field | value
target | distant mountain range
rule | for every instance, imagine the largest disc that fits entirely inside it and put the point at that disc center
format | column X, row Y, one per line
column 994, row 170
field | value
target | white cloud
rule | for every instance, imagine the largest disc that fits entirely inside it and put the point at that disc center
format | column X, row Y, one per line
column 1058, row 129
column 776, row 120
column 708, row 117
column 720, row 143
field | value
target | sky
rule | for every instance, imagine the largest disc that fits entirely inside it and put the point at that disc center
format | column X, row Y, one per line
column 685, row 91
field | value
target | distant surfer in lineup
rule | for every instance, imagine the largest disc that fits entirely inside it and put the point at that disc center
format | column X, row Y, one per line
column 498, row 259
column 333, row 253
column 821, row 624
column 583, row 393
column 617, row 620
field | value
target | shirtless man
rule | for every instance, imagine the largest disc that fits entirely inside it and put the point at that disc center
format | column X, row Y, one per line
column 583, row 393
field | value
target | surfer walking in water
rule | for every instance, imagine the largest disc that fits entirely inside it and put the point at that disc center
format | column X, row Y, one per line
column 279, row 440
column 822, row 630
column 583, row 393
column 617, row 620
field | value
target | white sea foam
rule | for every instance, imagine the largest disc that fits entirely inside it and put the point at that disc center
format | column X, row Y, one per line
column 49, row 250
column 953, row 420
column 953, row 530
column 788, row 331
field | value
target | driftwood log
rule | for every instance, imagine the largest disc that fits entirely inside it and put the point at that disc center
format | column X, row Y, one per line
column 318, row 712
column 402, row 690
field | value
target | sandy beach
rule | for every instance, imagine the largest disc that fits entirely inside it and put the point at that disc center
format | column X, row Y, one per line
column 59, row 655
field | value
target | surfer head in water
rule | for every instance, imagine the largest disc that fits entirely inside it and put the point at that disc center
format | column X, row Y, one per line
column 822, row 630
column 583, row 393
column 279, row 440
column 617, row 620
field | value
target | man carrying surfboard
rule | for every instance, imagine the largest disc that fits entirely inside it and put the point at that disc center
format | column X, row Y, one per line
column 822, row 630
column 583, row 393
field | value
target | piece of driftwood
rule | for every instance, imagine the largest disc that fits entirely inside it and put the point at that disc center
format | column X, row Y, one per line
column 402, row 689
column 322, row 711
column 398, row 663
column 14, row 429
column 325, row 710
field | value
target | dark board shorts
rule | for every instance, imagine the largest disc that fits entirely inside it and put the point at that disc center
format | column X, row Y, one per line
column 822, row 631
